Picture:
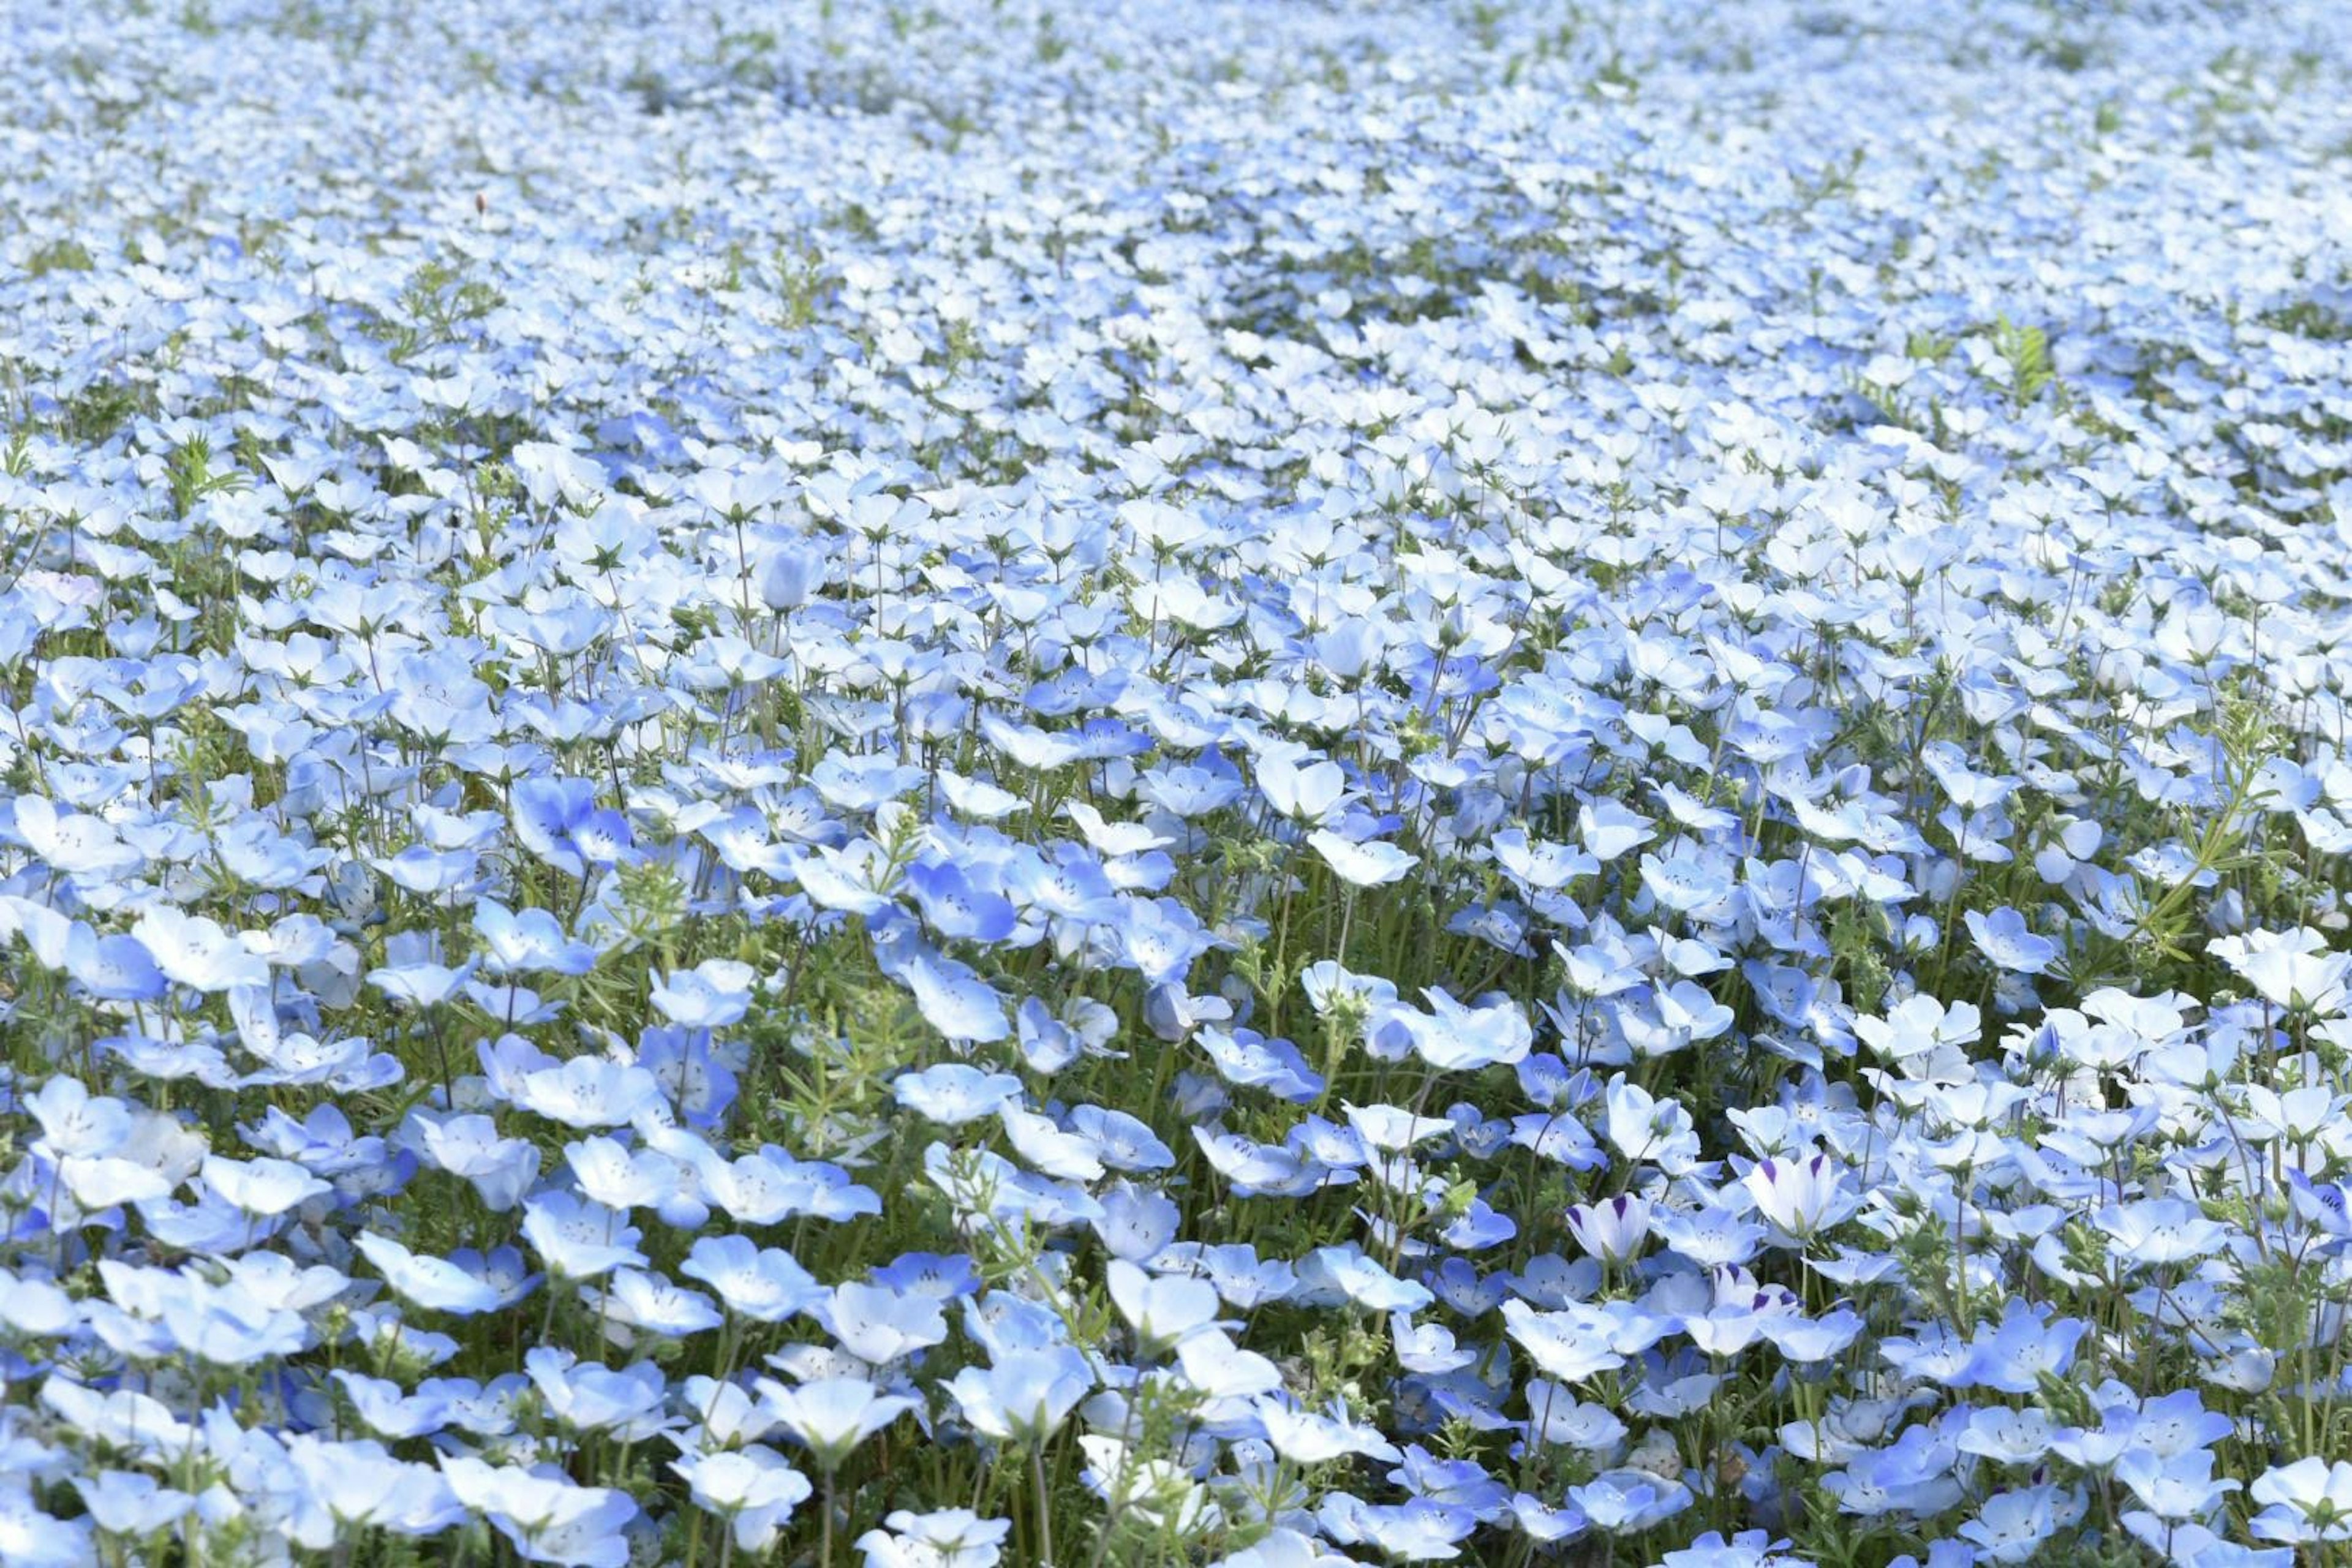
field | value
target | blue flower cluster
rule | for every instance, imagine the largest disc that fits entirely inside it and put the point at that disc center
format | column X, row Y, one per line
column 1257, row 786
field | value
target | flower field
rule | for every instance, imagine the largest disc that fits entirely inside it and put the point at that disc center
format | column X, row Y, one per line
column 921, row 785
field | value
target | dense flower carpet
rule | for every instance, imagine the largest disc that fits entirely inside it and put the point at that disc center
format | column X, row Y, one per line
column 932, row 784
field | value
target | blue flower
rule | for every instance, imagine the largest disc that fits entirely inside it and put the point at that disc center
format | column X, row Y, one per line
column 2008, row 944
column 1025, row 1395
column 558, row 820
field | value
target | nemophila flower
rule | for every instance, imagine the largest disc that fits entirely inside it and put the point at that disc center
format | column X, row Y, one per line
column 1480, row 1137
column 753, row 1490
column 263, row 1187
column 500, row 1168
column 1307, row 792
column 1800, row 1197
column 546, row 1519
column 72, row 842
column 2006, row 944
column 1548, row 1522
column 1284, row 1547
column 75, row 1122
column 1047, row 1044
column 981, row 1183
column 1212, row 1363
column 2307, row 1502
column 2157, row 1232
column 763, row 1284
column 115, row 967
column 1064, row 882
column 1242, row 1279
column 1748, row 1549
column 578, row 1239
column 954, row 1093
column 1001, row 1323
column 1161, row 1309
column 587, row 1091
column 1313, row 1437
column 121, row 1418
column 1158, row 1492
column 227, row 1327
column 2326, row 1207
column 767, row 1185
column 429, row 1282
column 1116, row 842
column 1362, row 863
column 944, row 1278
column 879, row 1324
column 2013, row 1526
column 715, row 995
column 1048, row 1149
column 2025, row 1345
column 1565, row 1347
column 1811, row 1341
column 725, row 1416
column 558, row 820
column 37, row 1538
column 1684, row 1013
column 1913, row 1475
column 1610, row 830
column 1459, row 1037
column 695, row 1076
column 1159, row 939
column 1188, row 790
column 831, row 1416
column 389, row 1410
column 953, row 999
column 791, row 574
column 1416, row 1531
column 1613, row 1230
column 655, row 1306
column 2007, row 1437
column 1392, row 1129
column 1644, row 1128
column 1136, row 1223
column 2194, row 1543
column 2171, row 1489
column 2301, row 1114
column 1627, row 1501
column 1246, row 1059
column 1330, row 1274
column 945, row 1538
column 1687, row 883
column 843, row 878
column 1917, row 1026
column 620, row 1178
column 36, row 1308
column 1025, row 1397
column 1556, row 1416
column 422, row 869
column 1121, row 1141
column 345, row 610
column 337, row 1486
column 590, row 1397
column 195, row 951
column 1480, row 1225
column 956, row 908
column 421, row 983
column 2293, row 969
column 125, row 1502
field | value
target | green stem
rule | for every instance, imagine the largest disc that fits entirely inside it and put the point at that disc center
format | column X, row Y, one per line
column 1045, row 1510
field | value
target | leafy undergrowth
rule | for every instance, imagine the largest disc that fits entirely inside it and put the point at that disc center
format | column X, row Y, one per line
column 1175, row 785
